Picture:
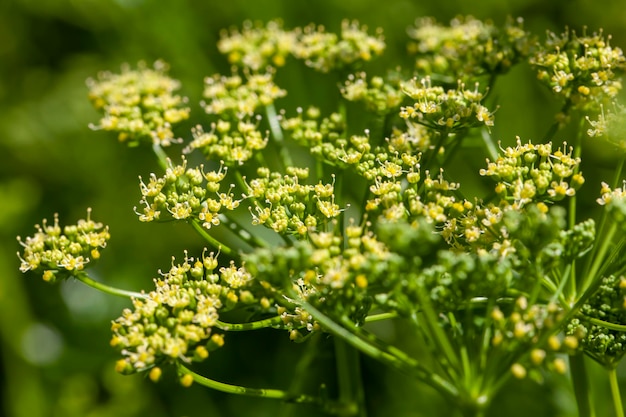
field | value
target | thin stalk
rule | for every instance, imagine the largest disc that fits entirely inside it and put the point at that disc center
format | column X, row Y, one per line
column 277, row 135
column 406, row 365
column 608, row 325
column 380, row 317
column 161, row 155
column 243, row 233
column 603, row 218
column 210, row 239
column 615, row 393
column 599, row 257
column 437, row 334
column 349, row 379
column 255, row 325
column 250, row 392
column 489, row 146
column 301, row 372
column 582, row 390
column 85, row 279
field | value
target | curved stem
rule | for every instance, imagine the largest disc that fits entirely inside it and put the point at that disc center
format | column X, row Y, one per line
column 615, row 393
column 85, row 279
column 402, row 363
column 608, row 325
column 251, row 392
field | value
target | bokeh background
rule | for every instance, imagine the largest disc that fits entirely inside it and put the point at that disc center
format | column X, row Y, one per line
column 55, row 358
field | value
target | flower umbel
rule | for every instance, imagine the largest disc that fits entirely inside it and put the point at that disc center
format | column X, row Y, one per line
column 139, row 104
column 61, row 251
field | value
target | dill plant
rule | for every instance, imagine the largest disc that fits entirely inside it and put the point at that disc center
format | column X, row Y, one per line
column 368, row 225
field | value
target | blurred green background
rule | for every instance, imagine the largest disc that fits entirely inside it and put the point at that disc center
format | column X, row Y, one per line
column 55, row 359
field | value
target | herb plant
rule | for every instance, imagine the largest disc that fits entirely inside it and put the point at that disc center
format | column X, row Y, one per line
column 365, row 222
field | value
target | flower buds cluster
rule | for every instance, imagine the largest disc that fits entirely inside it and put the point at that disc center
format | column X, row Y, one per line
column 468, row 47
column 256, row 47
column 230, row 97
column 233, row 143
column 584, row 70
column 186, row 193
column 287, row 205
column 444, row 110
column 139, row 104
column 599, row 319
column 55, row 250
column 530, row 172
column 524, row 329
column 379, row 97
column 175, row 321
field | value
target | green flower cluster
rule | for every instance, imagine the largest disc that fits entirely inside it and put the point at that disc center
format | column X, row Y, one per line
column 186, row 194
column 287, row 205
column 139, row 104
column 233, row 143
column 535, row 172
column 56, row 251
column 256, row 47
column 601, row 323
column 467, row 48
column 230, row 97
column 583, row 70
column 524, row 328
column 447, row 111
column 378, row 96
column 175, row 321
column 336, row 271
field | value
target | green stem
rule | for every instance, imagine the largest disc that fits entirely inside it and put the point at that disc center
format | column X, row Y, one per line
column 603, row 221
column 380, row 317
column 599, row 257
column 214, row 242
column 349, row 379
column 302, row 372
column 615, row 393
column 582, row 390
column 277, row 134
column 251, row 392
column 161, row 155
column 438, row 336
column 403, row 363
column 608, row 325
column 491, row 148
column 243, row 233
column 85, row 279
column 255, row 325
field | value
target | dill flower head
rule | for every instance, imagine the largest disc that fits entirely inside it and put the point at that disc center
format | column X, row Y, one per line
column 139, row 104
column 56, row 251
